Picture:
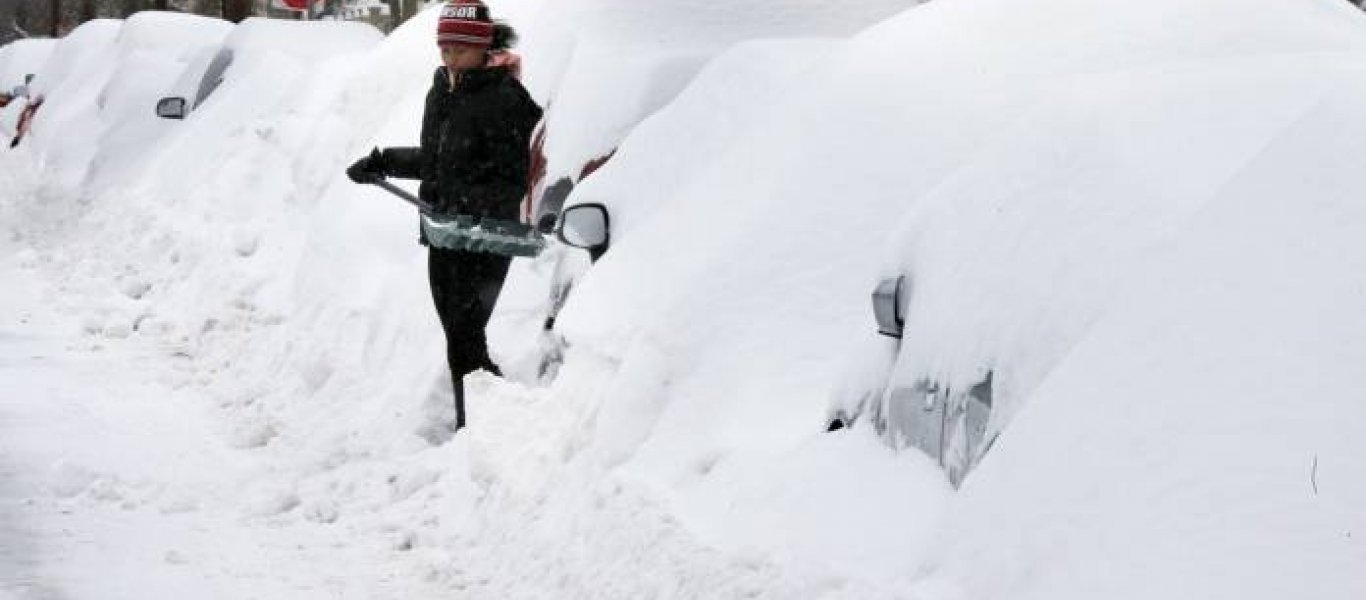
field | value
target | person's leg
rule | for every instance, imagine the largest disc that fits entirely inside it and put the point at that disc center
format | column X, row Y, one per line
column 488, row 276
column 459, row 388
column 444, row 275
column 465, row 286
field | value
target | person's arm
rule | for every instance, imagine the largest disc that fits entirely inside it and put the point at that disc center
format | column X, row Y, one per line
column 402, row 162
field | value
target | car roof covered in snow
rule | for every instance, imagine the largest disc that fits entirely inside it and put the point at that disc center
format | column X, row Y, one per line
column 21, row 58
column 306, row 41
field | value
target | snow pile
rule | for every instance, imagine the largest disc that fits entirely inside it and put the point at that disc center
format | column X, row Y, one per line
column 103, row 81
column 332, row 371
column 303, row 42
column 1021, row 187
column 21, row 58
column 75, row 54
column 601, row 66
column 1139, row 218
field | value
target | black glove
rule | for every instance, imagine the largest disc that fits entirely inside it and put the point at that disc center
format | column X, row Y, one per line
column 369, row 169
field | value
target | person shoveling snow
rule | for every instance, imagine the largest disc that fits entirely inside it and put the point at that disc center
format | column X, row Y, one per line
column 473, row 163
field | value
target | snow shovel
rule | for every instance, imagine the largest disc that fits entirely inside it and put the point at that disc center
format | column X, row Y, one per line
column 403, row 194
column 465, row 232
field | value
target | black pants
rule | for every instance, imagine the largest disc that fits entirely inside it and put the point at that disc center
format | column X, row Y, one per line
column 465, row 286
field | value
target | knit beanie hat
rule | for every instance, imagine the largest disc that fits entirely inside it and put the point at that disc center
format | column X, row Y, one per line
column 464, row 22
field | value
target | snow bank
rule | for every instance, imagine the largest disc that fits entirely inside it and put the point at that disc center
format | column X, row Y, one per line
column 337, row 362
column 1086, row 166
column 104, row 80
column 1216, row 418
column 21, row 58
column 305, row 42
column 68, row 83
column 1209, row 400
column 1019, row 161
column 76, row 53
column 601, row 66
column 1139, row 217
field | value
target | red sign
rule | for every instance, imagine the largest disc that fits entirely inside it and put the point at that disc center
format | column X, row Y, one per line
column 298, row 5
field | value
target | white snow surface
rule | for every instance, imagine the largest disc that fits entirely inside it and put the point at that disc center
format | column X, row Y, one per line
column 601, row 66
column 220, row 375
column 21, row 58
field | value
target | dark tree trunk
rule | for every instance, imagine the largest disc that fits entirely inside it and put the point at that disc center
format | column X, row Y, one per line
column 236, row 10
column 56, row 15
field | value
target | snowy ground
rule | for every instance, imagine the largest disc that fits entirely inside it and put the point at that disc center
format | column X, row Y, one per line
column 236, row 396
column 121, row 476
column 109, row 474
column 220, row 375
column 117, row 482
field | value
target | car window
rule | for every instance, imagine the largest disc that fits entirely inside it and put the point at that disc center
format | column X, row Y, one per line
column 213, row 76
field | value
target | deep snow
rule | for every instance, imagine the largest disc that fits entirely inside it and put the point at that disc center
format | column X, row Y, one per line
column 22, row 58
column 1143, row 218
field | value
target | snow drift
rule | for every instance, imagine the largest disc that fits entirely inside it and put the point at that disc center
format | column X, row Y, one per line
column 1140, row 218
column 1026, row 164
column 21, row 58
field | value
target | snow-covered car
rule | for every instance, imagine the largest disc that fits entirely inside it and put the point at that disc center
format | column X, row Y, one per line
column 11, row 111
column 1001, row 268
column 18, row 91
column 19, row 62
column 305, row 43
column 990, row 251
column 947, row 423
column 14, row 105
column 17, row 116
column 9, row 95
column 78, row 49
column 99, row 80
column 615, row 66
column 206, row 72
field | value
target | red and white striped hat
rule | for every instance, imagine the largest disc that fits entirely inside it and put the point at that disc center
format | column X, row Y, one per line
column 464, row 22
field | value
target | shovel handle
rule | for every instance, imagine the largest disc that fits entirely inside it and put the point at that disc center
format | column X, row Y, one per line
column 403, row 194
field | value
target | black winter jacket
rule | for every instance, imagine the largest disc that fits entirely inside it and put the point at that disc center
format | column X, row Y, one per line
column 476, row 145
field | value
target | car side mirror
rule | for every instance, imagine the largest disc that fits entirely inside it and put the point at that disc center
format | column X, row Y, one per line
column 586, row 226
column 888, row 299
column 171, row 108
column 546, row 224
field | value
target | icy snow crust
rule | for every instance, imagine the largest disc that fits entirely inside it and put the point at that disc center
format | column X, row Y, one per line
column 1144, row 218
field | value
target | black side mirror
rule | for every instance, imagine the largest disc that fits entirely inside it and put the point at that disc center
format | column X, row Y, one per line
column 171, row 108
column 546, row 224
column 586, row 226
column 891, row 294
